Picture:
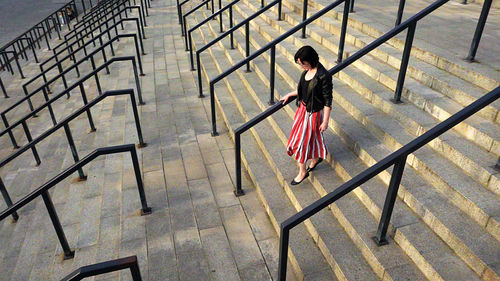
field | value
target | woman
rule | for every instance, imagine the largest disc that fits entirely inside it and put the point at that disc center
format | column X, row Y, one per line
column 314, row 99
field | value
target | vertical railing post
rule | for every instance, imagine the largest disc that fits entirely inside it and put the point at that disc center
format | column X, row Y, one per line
column 479, row 31
column 304, row 17
column 72, row 146
column 184, row 32
column 351, row 8
column 198, row 68
column 284, row 238
column 220, row 17
column 137, row 121
column 231, row 24
column 212, row 109
column 96, row 77
column 89, row 114
column 280, row 16
column 247, row 44
column 191, row 59
column 51, row 111
column 135, row 271
column 145, row 209
column 3, row 89
column 272, row 74
column 345, row 17
column 237, row 153
column 390, row 199
column 68, row 253
column 19, row 66
column 137, row 83
column 30, row 139
column 404, row 62
column 400, row 12
column 7, row 199
column 11, row 135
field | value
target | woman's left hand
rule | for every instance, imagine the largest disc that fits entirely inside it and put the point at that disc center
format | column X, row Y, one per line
column 323, row 126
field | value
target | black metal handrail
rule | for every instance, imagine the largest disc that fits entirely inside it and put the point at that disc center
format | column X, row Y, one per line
column 246, row 23
column 43, row 191
column 63, row 72
column 104, row 17
column 80, row 36
column 272, row 46
column 72, row 52
column 10, row 127
column 219, row 12
column 107, row 267
column 65, row 124
column 194, row 9
column 398, row 159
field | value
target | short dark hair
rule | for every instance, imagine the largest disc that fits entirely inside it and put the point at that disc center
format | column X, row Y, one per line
column 307, row 54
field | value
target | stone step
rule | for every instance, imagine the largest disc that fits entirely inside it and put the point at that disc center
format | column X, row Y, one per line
column 435, row 104
column 439, row 80
column 256, row 83
column 482, row 205
column 365, row 242
column 379, row 120
column 306, row 259
column 368, row 22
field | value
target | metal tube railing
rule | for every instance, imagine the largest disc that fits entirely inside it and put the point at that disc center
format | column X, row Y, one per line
column 248, row 58
column 64, row 123
column 228, row 32
column 79, row 36
column 184, row 24
column 79, row 83
column 396, row 158
column 192, row 29
column 43, row 191
column 107, row 267
column 62, row 72
column 72, row 52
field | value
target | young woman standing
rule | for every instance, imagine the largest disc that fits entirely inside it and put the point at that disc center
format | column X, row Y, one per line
column 314, row 100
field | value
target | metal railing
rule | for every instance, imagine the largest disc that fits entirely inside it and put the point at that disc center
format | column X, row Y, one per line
column 72, row 52
column 184, row 24
column 107, row 267
column 189, row 38
column 10, row 127
column 63, row 71
column 485, row 10
column 272, row 46
column 79, row 37
column 398, row 159
column 104, row 17
column 43, row 191
column 245, row 23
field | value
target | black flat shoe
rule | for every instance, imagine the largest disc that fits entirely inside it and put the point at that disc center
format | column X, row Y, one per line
column 313, row 167
column 295, row 182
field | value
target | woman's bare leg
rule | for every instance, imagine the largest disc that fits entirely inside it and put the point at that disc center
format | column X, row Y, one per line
column 302, row 172
column 313, row 162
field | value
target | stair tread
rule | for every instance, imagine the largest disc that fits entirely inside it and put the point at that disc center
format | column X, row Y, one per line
column 252, row 84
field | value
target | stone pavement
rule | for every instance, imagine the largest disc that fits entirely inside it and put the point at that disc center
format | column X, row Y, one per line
column 448, row 31
column 198, row 229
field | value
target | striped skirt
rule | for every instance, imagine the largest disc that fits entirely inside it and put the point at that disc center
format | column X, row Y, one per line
column 306, row 141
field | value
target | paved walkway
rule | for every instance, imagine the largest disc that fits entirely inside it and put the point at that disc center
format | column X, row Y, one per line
column 448, row 30
column 198, row 229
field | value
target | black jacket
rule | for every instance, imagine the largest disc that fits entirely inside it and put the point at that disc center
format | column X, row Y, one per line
column 321, row 86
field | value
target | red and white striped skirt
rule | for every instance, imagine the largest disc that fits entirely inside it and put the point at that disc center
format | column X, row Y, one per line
column 306, row 141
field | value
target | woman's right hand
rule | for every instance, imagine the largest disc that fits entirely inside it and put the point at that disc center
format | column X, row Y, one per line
column 287, row 96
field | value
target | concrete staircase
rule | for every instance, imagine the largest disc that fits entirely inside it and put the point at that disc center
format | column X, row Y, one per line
column 195, row 219
column 445, row 224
